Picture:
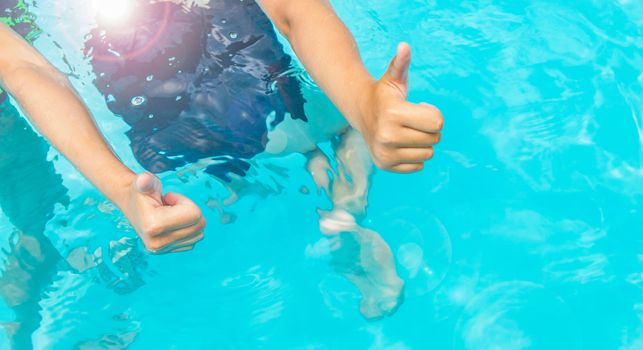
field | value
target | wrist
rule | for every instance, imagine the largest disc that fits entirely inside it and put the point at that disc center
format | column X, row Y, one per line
column 364, row 105
column 121, row 189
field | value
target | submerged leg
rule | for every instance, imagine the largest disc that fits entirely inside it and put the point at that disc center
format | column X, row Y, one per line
column 29, row 193
column 120, row 265
column 29, row 268
column 360, row 254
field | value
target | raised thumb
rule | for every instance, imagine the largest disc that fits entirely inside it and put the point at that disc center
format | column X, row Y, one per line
column 147, row 183
column 398, row 70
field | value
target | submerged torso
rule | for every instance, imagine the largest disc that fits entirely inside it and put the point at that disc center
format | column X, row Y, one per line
column 194, row 84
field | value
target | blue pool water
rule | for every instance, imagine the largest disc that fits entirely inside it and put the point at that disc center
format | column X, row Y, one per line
column 524, row 232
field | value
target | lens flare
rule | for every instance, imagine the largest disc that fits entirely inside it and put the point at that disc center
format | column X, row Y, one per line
column 114, row 10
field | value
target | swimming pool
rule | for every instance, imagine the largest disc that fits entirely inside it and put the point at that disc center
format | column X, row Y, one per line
column 525, row 231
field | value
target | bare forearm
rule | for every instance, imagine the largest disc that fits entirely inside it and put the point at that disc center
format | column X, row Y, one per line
column 400, row 134
column 61, row 117
column 51, row 104
column 327, row 49
column 165, row 223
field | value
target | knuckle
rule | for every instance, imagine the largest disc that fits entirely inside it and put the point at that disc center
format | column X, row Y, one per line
column 197, row 229
column 152, row 229
column 380, row 164
column 435, row 111
column 379, row 153
column 437, row 116
column 440, row 123
column 383, row 157
column 385, row 137
column 394, row 116
column 415, row 168
column 386, row 159
column 430, row 153
column 195, row 216
column 410, row 168
column 155, row 245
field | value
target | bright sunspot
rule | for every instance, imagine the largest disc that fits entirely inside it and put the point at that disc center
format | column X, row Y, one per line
column 113, row 10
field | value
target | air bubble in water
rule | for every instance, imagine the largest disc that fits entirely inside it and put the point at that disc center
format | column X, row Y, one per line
column 410, row 256
column 138, row 101
column 421, row 246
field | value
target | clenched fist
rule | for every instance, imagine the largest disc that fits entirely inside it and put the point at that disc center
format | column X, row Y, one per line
column 167, row 223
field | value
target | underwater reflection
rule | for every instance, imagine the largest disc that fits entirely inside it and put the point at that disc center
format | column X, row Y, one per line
column 359, row 254
column 423, row 247
column 32, row 262
column 30, row 191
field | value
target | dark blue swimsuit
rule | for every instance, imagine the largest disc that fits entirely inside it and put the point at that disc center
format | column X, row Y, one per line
column 195, row 84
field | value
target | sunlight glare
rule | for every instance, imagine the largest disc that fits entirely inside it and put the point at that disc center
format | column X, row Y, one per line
column 113, row 10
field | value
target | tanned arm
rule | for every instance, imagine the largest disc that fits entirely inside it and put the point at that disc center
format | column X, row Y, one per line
column 167, row 223
column 400, row 134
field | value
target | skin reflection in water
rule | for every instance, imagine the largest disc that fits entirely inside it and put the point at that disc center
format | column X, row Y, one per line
column 360, row 254
column 31, row 190
column 422, row 247
column 357, row 253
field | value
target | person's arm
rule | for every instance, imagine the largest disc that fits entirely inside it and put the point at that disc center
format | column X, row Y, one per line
column 165, row 223
column 400, row 134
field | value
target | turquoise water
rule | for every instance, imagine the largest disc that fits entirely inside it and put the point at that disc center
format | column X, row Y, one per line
column 524, row 232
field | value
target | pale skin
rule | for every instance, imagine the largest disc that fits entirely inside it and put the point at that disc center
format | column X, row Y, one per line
column 400, row 135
